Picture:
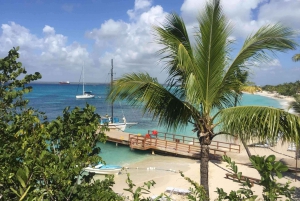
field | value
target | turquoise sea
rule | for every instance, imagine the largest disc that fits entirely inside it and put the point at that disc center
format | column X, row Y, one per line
column 53, row 98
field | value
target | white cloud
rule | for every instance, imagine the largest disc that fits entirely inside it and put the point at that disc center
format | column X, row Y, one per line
column 242, row 13
column 16, row 35
column 139, row 7
column 142, row 4
column 49, row 55
column 130, row 43
column 48, row 30
column 190, row 10
column 109, row 33
column 285, row 12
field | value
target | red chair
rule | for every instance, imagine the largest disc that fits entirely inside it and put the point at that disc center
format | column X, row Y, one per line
column 154, row 132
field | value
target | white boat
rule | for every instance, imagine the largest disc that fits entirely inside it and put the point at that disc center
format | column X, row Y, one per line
column 85, row 94
column 64, row 82
column 111, row 121
column 115, row 123
column 104, row 169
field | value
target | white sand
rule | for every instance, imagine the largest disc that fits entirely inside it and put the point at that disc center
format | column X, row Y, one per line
column 159, row 169
column 283, row 100
column 161, row 174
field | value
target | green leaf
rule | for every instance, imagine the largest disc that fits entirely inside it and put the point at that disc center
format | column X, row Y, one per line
column 22, row 182
column 13, row 190
column 270, row 158
column 279, row 174
column 239, row 175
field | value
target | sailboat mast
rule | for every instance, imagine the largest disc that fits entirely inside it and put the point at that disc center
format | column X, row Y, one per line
column 111, row 85
column 83, row 79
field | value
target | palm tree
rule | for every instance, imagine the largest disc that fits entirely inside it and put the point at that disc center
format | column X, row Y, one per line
column 202, row 83
column 296, row 57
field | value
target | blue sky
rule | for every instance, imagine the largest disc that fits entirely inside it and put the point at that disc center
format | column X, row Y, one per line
column 57, row 37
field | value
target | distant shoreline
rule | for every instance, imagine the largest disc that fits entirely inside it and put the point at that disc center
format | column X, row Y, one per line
column 71, row 83
column 283, row 100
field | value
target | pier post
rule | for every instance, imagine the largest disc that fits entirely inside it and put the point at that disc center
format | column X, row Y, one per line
column 116, row 144
column 153, row 152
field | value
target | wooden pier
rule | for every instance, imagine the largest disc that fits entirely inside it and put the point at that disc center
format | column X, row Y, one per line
column 169, row 143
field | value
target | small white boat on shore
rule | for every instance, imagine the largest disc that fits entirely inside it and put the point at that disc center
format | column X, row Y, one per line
column 104, row 169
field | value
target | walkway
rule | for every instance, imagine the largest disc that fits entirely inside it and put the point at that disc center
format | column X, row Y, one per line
column 169, row 143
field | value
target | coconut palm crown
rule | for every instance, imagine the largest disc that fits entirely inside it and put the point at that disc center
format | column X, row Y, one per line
column 202, row 82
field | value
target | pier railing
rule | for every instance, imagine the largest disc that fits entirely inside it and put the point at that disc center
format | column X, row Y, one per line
column 231, row 147
column 177, row 144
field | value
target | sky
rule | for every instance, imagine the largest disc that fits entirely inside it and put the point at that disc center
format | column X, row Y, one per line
column 57, row 38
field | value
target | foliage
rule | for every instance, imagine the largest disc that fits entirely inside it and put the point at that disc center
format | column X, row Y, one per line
column 285, row 89
column 197, row 192
column 267, row 167
column 295, row 105
column 202, row 77
column 261, row 123
column 43, row 160
column 136, row 195
column 296, row 57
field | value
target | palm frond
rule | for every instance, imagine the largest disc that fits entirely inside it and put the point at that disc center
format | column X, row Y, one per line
column 211, row 56
column 143, row 91
column 269, row 38
column 296, row 57
column 177, row 51
column 257, row 122
column 295, row 105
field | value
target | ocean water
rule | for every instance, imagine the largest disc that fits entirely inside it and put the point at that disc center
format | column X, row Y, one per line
column 54, row 98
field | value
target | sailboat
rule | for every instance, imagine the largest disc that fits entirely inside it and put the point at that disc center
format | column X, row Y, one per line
column 111, row 121
column 85, row 94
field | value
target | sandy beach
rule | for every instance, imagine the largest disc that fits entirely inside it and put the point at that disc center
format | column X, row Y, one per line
column 283, row 100
column 164, row 169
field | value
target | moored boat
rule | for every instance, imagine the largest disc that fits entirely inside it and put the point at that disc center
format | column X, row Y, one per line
column 111, row 121
column 115, row 123
column 104, row 169
column 85, row 94
column 64, row 82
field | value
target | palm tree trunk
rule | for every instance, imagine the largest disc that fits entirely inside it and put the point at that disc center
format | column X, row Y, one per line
column 242, row 140
column 246, row 147
column 204, row 168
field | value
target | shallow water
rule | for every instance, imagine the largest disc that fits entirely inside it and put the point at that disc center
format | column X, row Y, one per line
column 53, row 98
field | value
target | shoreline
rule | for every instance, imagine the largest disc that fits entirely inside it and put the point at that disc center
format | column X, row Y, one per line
column 283, row 100
column 164, row 170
